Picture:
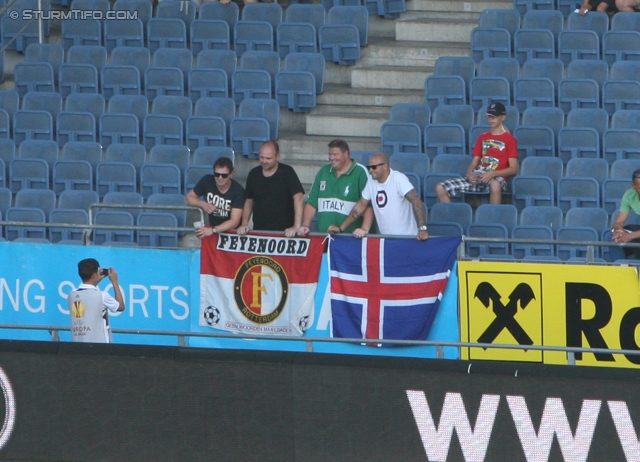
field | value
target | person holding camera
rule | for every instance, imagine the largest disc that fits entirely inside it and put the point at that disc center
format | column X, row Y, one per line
column 89, row 306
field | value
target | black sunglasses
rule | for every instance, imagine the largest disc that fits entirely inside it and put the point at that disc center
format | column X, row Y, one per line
column 223, row 175
column 636, row 175
column 373, row 167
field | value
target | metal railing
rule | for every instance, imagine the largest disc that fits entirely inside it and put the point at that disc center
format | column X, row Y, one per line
column 440, row 345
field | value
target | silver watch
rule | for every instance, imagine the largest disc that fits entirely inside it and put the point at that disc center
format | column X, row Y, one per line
column 422, row 228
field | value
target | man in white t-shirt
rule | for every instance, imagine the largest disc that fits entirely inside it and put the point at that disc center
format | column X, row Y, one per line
column 396, row 205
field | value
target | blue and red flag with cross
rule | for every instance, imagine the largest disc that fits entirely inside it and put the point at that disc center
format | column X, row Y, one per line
column 384, row 288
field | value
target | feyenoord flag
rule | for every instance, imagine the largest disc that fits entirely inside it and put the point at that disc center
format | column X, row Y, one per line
column 259, row 284
column 388, row 288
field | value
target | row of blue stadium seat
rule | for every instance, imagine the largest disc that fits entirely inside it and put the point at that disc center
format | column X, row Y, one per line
column 121, row 176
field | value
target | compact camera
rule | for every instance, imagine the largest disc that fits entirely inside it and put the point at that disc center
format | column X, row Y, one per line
column 104, row 271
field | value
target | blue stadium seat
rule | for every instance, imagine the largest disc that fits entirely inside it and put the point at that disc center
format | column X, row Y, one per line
column 217, row 107
column 416, row 113
column 445, row 229
column 597, row 169
column 141, row 8
column 78, row 78
column 29, row 215
column 250, row 84
column 597, row 119
column 93, row 103
column 620, row 143
column 119, row 128
column 157, row 238
column 193, row 174
column 120, row 80
column 340, row 43
column 549, row 216
column 50, row 102
column 503, row 214
column 296, row 90
column 132, row 153
column 96, row 55
column 620, row 95
column 296, row 37
column 228, row 13
column 67, row 216
column 576, row 233
column 263, row 109
column 33, row 77
column 169, row 199
column 626, row 119
column 612, row 192
column 578, row 93
column 500, row 18
column 487, row 248
column 115, row 176
column 621, row 46
column 485, row 90
column 400, row 137
column 574, row 142
column 261, row 60
column 309, row 62
column 209, row 34
column 411, row 162
column 253, row 36
column 551, row 117
column 9, row 101
column 166, row 33
column 509, row 68
column 531, row 233
column 578, row 192
column 534, row 44
column 162, row 129
column 442, row 90
column 490, row 42
column 218, row 59
column 451, row 164
column 45, row 53
column 137, row 105
column 172, row 105
column 28, row 174
column 81, row 31
column 622, row 168
column 267, row 12
column 139, row 57
column 386, row 8
column 596, row 21
column 553, row 20
column 444, row 139
column 39, row 149
column 524, row 6
column 578, row 44
column 170, row 154
column 181, row 58
column 533, row 92
column 18, row 33
column 124, row 198
column 7, row 153
column 5, row 200
column 462, row 66
column 453, row 212
column 81, row 150
column 550, row 167
column 248, row 134
column 311, row 13
column 72, row 174
column 456, row 114
column 205, row 131
column 594, row 69
column 431, row 180
column 592, row 217
column 163, row 81
column 107, row 236
column 43, row 199
column 32, row 125
column 184, row 11
column 552, row 69
column 160, row 178
column 351, row 14
column 207, row 155
column 531, row 190
column 625, row 70
column 77, row 200
column 75, row 126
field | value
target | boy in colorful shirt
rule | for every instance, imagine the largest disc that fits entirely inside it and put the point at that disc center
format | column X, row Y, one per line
column 494, row 159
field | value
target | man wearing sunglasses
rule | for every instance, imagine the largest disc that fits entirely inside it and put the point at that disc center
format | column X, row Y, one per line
column 627, row 233
column 396, row 205
column 494, row 159
column 335, row 190
column 223, row 199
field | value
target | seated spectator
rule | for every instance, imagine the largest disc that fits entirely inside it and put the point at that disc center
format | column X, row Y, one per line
column 598, row 5
column 628, row 6
column 494, row 159
column 627, row 233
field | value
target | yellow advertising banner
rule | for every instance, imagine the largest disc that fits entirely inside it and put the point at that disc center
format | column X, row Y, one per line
column 550, row 305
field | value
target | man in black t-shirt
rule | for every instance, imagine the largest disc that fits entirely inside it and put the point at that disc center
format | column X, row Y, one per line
column 274, row 196
column 223, row 198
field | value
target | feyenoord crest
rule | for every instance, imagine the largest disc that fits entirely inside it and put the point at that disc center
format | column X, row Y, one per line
column 261, row 289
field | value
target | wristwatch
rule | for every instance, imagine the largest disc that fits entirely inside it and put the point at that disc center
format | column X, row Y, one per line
column 422, row 228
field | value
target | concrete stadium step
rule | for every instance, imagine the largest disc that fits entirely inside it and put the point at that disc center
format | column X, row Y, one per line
column 390, row 77
column 476, row 6
column 385, row 52
column 343, row 123
column 345, row 95
column 313, row 148
column 430, row 29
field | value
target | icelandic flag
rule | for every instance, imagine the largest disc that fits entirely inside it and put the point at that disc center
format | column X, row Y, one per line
column 384, row 288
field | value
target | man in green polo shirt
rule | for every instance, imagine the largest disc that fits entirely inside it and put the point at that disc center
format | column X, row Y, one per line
column 336, row 189
column 627, row 233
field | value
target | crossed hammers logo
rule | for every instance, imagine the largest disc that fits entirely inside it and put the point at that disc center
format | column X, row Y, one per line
column 486, row 293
